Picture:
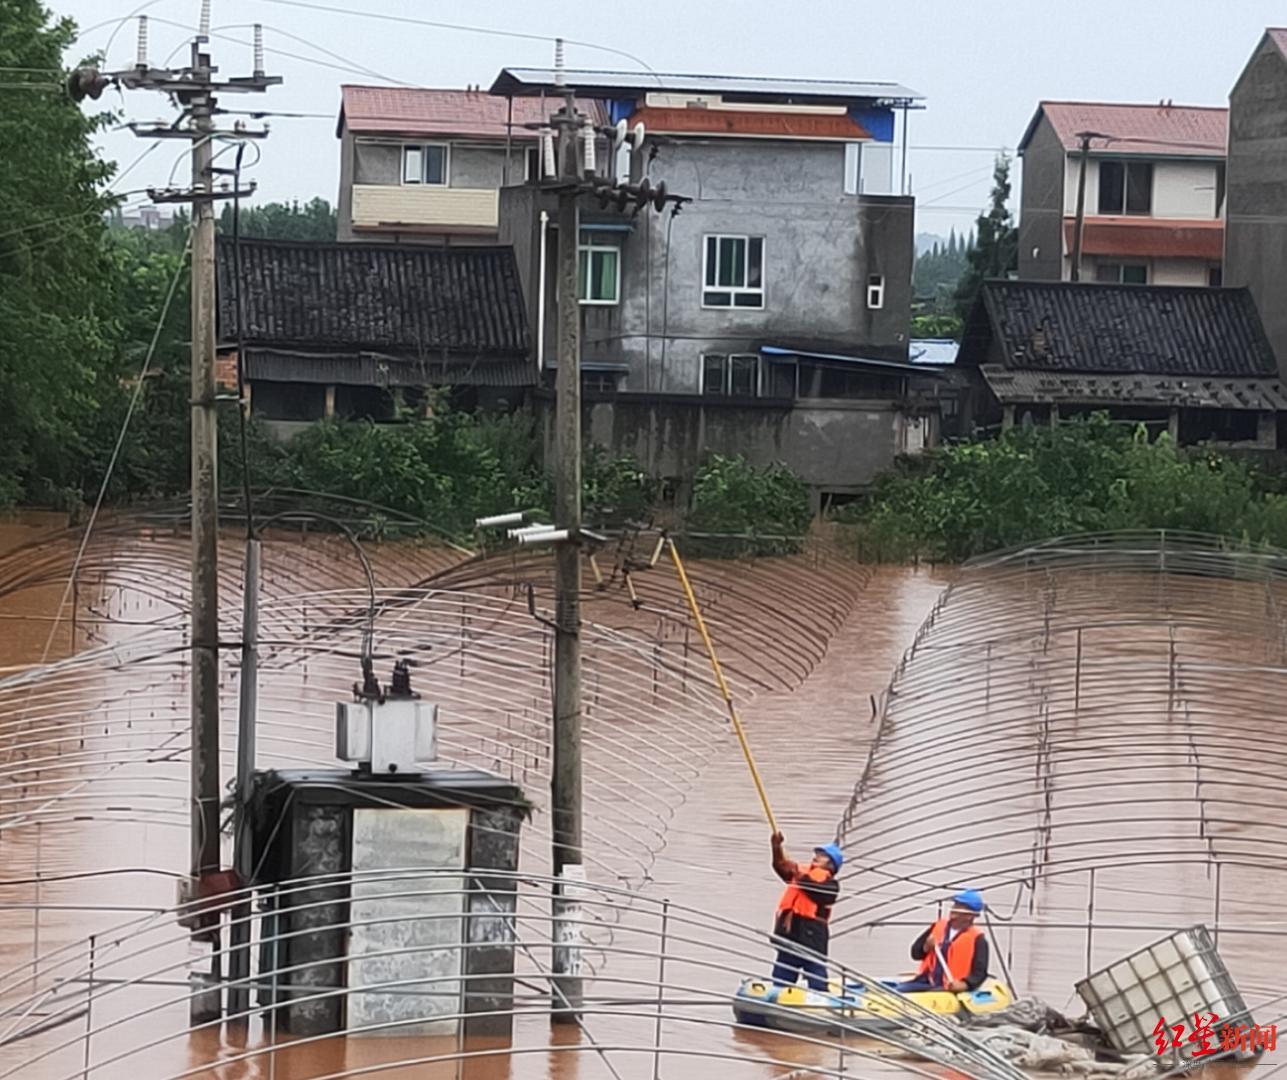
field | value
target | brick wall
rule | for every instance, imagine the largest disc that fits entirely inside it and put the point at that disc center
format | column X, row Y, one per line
column 226, row 370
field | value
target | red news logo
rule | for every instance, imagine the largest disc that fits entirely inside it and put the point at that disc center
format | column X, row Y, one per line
column 1246, row 1037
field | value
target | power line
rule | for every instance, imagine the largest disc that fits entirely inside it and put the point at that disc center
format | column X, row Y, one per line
column 351, row 70
column 966, row 149
column 464, row 28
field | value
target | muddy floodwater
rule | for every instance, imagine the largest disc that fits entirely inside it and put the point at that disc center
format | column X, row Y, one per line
column 812, row 647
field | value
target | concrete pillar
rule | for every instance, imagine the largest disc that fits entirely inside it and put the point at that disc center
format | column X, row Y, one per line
column 1267, row 431
column 1054, row 414
column 1007, row 417
column 488, row 962
column 1173, row 425
column 247, row 400
column 329, row 411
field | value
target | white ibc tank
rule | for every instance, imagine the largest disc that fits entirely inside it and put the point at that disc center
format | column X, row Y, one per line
column 1172, row 979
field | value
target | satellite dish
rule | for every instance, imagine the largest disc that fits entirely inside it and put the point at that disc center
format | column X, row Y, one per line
column 637, row 136
column 619, row 134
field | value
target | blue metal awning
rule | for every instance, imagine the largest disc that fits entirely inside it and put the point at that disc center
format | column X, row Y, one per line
column 889, row 366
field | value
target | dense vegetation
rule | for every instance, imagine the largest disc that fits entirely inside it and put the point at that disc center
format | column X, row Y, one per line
column 1086, row 475
column 59, row 286
column 762, row 510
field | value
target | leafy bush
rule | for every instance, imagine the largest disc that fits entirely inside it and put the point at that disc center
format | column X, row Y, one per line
column 1086, row 475
column 767, row 508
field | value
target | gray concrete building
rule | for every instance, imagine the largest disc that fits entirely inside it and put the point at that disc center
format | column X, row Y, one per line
column 770, row 316
column 1256, row 227
column 1154, row 193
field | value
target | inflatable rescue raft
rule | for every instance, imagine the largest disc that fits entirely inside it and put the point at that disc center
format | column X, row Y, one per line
column 762, row 1003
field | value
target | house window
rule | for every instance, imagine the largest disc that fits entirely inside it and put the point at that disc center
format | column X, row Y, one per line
column 876, row 291
column 1125, row 187
column 600, row 382
column 1115, row 273
column 733, row 272
column 424, row 164
column 1215, row 276
column 532, row 163
column 731, row 376
column 598, row 271
column 1219, row 190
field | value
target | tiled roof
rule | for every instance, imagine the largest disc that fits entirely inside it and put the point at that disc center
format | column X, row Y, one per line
column 399, row 110
column 1157, row 130
column 1149, row 237
column 1140, row 329
column 417, row 301
column 1080, row 388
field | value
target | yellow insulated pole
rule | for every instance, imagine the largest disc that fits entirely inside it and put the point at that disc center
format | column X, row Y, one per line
column 719, row 679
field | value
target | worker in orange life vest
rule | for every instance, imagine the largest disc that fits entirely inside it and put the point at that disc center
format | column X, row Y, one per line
column 804, row 912
column 957, row 941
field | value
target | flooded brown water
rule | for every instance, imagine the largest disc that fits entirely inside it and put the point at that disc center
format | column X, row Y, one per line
column 810, row 650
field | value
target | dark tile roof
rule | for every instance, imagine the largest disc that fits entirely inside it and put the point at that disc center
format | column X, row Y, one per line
column 414, row 301
column 1147, row 329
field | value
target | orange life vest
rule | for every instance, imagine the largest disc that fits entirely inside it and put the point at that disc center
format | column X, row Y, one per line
column 795, row 901
column 959, row 954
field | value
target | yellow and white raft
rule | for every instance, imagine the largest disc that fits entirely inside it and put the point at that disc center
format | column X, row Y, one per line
column 762, row 1003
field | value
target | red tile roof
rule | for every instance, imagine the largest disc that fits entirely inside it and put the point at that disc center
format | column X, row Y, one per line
column 397, row 110
column 1145, row 237
column 1157, row 130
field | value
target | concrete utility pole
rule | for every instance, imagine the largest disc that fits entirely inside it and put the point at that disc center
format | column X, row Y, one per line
column 576, row 176
column 565, row 773
column 205, row 491
column 193, row 88
column 1085, row 137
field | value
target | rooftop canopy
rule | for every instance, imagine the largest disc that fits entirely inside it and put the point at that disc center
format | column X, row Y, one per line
column 528, row 82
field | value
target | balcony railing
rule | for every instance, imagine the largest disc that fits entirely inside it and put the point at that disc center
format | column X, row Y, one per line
column 422, row 206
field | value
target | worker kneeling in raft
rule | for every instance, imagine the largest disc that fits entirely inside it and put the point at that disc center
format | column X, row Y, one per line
column 804, row 911
column 956, row 942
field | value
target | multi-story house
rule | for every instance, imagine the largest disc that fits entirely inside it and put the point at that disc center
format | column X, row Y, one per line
column 426, row 166
column 1154, row 193
column 1256, row 233
column 770, row 316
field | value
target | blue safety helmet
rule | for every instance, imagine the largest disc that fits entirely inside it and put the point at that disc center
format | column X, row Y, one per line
column 832, row 852
column 971, row 899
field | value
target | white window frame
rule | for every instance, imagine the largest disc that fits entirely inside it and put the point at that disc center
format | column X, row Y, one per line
column 875, row 291
column 588, row 249
column 422, row 147
column 733, row 290
column 726, row 377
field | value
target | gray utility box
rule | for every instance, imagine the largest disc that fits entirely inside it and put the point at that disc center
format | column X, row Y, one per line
column 412, row 931
column 1172, row 979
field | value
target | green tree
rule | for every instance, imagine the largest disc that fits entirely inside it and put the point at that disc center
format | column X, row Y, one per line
column 995, row 252
column 314, row 220
column 57, row 279
column 154, row 458
column 937, row 272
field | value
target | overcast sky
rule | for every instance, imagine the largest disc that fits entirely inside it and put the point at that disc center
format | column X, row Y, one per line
column 982, row 65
